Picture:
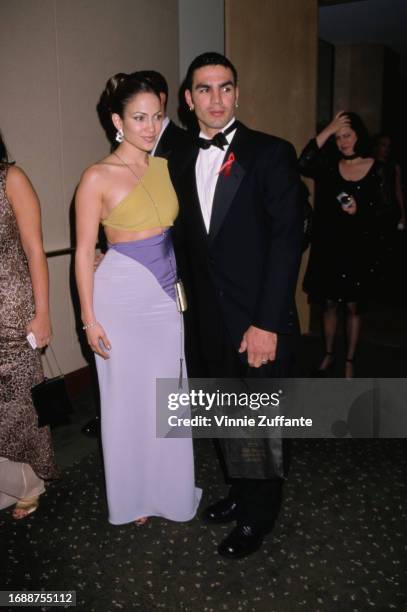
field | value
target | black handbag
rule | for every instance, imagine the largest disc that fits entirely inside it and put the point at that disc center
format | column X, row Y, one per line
column 51, row 400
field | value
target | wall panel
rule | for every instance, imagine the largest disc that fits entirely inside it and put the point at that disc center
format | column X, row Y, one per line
column 274, row 46
column 57, row 56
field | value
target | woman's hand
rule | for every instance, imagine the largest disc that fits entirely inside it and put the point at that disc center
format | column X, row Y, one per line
column 40, row 326
column 98, row 260
column 340, row 120
column 97, row 339
column 350, row 208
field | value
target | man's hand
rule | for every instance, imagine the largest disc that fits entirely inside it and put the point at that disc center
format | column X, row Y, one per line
column 261, row 346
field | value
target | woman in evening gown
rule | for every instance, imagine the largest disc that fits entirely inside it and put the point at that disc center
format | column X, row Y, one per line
column 129, row 311
column 26, row 455
column 343, row 261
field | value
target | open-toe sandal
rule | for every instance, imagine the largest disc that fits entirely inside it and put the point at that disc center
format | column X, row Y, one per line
column 24, row 507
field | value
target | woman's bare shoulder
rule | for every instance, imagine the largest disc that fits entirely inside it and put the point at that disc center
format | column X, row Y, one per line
column 94, row 173
column 100, row 170
column 17, row 182
column 16, row 176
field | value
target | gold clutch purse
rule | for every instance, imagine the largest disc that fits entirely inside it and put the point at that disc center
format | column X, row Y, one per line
column 180, row 296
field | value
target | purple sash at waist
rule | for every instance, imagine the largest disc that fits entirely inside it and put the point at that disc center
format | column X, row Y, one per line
column 156, row 254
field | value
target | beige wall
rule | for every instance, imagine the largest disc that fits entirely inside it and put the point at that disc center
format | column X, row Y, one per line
column 201, row 28
column 274, row 46
column 57, row 56
column 359, row 73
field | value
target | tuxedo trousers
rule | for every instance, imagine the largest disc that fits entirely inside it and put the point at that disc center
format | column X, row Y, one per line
column 258, row 500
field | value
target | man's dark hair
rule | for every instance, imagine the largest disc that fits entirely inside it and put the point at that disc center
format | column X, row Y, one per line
column 210, row 58
column 157, row 81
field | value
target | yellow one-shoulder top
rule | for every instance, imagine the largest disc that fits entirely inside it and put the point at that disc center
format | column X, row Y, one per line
column 152, row 202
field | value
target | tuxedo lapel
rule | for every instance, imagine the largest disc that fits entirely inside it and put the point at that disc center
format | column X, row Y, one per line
column 227, row 184
column 168, row 141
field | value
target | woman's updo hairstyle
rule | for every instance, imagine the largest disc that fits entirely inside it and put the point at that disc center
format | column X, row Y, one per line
column 118, row 92
column 121, row 88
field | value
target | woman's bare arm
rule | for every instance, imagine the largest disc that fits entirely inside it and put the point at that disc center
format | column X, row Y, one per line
column 26, row 207
column 88, row 205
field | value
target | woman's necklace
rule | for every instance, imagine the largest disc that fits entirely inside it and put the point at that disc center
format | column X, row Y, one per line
column 180, row 296
column 350, row 157
column 128, row 165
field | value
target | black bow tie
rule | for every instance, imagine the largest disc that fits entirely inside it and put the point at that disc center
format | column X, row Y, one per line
column 219, row 140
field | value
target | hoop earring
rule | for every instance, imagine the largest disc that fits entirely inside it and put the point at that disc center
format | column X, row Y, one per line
column 119, row 135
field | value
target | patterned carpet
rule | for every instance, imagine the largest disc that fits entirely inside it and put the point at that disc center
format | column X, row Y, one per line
column 339, row 544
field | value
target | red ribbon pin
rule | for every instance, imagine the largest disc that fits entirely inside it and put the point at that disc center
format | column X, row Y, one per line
column 227, row 166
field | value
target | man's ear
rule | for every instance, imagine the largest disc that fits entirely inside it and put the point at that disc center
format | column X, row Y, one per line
column 163, row 100
column 188, row 99
column 117, row 121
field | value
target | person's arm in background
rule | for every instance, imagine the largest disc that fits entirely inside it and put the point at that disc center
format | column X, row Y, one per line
column 310, row 161
column 26, row 207
column 88, row 206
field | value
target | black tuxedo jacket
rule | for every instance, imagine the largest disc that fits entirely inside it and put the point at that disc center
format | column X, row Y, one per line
column 172, row 139
column 244, row 272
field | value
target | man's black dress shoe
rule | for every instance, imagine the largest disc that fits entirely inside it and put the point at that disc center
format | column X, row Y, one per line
column 243, row 540
column 224, row 511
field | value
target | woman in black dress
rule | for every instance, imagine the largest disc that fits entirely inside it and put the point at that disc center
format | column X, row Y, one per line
column 342, row 263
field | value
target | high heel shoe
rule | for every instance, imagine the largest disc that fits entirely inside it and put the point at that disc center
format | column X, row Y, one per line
column 25, row 507
column 323, row 372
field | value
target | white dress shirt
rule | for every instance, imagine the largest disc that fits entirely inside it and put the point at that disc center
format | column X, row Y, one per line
column 164, row 124
column 207, row 167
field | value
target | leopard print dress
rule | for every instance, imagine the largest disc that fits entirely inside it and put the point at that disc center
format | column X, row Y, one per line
column 20, row 366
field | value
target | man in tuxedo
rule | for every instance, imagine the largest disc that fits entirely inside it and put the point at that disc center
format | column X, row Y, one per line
column 171, row 136
column 238, row 240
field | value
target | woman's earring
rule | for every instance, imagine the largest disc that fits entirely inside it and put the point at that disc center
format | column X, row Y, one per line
column 236, row 104
column 119, row 135
column 191, row 108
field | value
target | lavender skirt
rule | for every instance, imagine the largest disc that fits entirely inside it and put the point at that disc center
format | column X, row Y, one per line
column 135, row 303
